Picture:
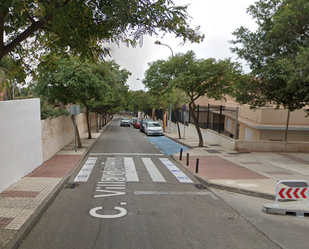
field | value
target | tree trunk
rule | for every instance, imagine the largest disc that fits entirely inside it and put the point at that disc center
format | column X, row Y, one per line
column 79, row 142
column 88, row 122
column 100, row 121
column 97, row 121
column 198, row 130
column 177, row 123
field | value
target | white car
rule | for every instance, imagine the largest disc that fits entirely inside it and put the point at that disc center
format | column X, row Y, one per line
column 124, row 122
column 153, row 128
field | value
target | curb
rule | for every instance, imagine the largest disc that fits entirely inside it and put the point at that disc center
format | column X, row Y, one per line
column 180, row 142
column 26, row 228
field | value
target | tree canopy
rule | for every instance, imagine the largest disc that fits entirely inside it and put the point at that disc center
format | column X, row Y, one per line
column 69, row 80
column 83, row 27
column 195, row 77
column 277, row 53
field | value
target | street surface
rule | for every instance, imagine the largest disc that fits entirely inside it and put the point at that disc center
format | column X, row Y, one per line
column 128, row 193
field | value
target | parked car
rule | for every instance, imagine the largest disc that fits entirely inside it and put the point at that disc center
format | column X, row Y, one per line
column 124, row 122
column 132, row 120
column 153, row 128
column 137, row 123
column 144, row 121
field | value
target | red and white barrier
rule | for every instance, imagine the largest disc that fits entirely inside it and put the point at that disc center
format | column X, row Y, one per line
column 292, row 193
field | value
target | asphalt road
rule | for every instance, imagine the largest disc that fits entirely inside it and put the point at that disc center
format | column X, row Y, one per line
column 136, row 196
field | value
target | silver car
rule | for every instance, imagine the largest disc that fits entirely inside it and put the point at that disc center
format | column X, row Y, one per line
column 124, row 122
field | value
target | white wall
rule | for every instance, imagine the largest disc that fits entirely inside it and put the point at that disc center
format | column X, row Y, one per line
column 20, row 140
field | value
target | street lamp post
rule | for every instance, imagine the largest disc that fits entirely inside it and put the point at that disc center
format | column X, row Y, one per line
column 170, row 111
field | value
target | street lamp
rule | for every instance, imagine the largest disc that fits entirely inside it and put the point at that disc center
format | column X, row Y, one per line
column 159, row 43
column 170, row 112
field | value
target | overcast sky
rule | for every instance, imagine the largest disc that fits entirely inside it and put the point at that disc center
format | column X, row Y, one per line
column 217, row 18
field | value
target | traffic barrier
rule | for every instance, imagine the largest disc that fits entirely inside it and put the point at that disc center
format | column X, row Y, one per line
column 292, row 193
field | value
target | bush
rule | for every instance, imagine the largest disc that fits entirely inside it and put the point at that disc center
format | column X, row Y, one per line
column 49, row 111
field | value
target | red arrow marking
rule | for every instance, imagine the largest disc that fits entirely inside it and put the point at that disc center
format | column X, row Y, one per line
column 295, row 193
column 281, row 193
column 303, row 193
column 288, row 193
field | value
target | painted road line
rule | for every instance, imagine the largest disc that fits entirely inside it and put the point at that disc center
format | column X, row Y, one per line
column 125, row 154
column 85, row 172
column 113, row 170
column 130, row 171
column 175, row 171
column 154, row 173
column 174, row 193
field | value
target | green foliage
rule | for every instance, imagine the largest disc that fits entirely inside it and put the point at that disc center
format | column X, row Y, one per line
column 83, row 27
column 49, row 111
column 69, row 80
column 12, row 74
column 184, row 78
column 277, row 53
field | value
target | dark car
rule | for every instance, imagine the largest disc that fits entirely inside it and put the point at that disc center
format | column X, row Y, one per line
column 144, row 121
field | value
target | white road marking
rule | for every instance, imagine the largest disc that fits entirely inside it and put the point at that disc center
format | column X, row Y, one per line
column 85, row 172
column 124, row 154
column 113, row 171
column 130, row 171
column 122, row 212
column 175, row 171
column 174, row 193
column 154, row 173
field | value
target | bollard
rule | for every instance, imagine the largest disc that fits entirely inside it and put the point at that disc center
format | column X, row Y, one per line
column 187, row 159
column 197, row 162
column 180, row 157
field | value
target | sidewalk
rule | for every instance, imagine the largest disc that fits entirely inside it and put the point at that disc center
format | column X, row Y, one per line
column 23, row 203
column 255, row 173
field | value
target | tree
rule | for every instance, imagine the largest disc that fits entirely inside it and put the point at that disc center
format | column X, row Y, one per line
column 82, row 27
column 70, row 80
column 157, row 80
column 12, row 74
column 196, row 78
column 277, row 52
column 177, row 98
column 113, row 99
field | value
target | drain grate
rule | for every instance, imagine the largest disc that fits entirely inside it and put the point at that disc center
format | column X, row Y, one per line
column 70, row 185
column 199, row 186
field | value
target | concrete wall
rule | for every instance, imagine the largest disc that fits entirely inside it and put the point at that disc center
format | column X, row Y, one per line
column 21, row 141
column 59, row 132
column 268, row 146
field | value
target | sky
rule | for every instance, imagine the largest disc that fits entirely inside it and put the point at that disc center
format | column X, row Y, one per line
column 218, row 20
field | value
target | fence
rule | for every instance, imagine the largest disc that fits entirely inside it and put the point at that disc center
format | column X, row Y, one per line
column 210, row 117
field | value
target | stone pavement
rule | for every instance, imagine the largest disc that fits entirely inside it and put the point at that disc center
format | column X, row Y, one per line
column 254, row 173
column 23, row 203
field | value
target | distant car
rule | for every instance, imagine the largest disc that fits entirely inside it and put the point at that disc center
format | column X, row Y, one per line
column 144, row 121
column 132, row 120
column 153, row 128
column 124, row 122
column 137, row 123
